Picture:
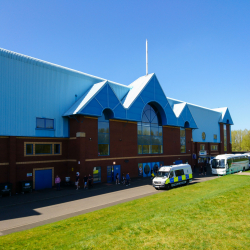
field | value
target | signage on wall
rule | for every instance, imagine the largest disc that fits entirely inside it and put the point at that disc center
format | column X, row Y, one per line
column 203, row 135
column 29, row 174
column 215, row 136
column 203, row 152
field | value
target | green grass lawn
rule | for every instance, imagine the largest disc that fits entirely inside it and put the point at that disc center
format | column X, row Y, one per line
column 209, row 215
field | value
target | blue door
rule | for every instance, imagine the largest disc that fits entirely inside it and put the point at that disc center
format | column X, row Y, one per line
column 146, row 169
column 117, row 169
column 110, row 174
column 155, row 167
column 43, row 179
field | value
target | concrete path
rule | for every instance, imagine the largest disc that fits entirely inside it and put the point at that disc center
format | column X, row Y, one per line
column 27, row 211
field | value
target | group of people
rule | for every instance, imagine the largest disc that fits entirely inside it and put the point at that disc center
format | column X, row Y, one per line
column 125, row 180
column 87, row 180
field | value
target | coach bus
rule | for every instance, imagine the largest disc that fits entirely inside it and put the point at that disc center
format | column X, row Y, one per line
column 229, row 164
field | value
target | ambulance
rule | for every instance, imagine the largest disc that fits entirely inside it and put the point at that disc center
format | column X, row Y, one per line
column 171, row 176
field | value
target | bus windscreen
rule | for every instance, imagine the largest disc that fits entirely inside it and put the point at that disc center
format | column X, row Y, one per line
column 217, row 163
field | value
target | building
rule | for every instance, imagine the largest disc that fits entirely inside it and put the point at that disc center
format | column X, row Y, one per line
column 56, row 120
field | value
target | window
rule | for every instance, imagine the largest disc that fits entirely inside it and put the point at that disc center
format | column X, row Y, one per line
column 202, row 147
column 103, row 133
column 171, row 175
column 183, row 140
column 214, row 148
column 96, row 174
column 42, row 148
column 149, row 132
column 44, row 123
column 225, row 137
column 56, row 148
column 29, row 149
column 179, row 172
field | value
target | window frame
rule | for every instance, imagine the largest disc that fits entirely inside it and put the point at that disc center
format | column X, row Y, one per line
column 183, row 129
column 103, row 120
column 45, row 120
column 45, row 143
column 149, row 133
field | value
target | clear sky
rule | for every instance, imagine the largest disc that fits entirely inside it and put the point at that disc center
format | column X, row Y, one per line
column 199, row 50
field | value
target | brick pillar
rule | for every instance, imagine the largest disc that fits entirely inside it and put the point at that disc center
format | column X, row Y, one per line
column 221, row 145
column 12, row 162
column 229, row 148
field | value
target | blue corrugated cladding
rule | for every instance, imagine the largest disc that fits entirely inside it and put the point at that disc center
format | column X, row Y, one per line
column 207, row 121
column 30, row 89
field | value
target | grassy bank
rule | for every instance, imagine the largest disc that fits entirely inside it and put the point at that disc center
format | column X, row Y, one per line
column 208, row 215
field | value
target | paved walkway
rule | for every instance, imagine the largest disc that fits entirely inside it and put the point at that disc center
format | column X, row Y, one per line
column 21, row 212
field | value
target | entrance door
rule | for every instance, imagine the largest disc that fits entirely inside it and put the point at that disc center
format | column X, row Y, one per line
column 146, row 169
column 43, row 179
column 155, row 167
column 112, row 171
column 117, row 169
column 110, row 174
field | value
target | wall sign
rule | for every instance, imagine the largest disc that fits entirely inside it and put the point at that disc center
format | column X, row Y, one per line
column 203, row 135
column 29, row 174
column 203, row 152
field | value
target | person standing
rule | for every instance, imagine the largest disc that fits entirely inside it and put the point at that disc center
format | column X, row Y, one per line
column 77, row 180
column 117, row 179
column 205, row 168
column 90, row 181
column 85, row 180
column 123, row 179
column 57, row 182
column 127, row 179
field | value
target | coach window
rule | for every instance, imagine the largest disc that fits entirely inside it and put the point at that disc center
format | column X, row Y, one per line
column 149, row 132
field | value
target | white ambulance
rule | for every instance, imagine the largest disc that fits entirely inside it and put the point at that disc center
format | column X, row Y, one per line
column 171, row 176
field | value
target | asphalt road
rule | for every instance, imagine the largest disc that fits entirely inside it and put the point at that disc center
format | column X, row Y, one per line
column 21, row 212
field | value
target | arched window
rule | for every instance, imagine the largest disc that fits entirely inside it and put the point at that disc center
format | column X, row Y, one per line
column 149, row 132
column 103, row 132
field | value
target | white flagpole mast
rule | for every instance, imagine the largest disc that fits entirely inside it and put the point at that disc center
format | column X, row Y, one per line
column 146, row 57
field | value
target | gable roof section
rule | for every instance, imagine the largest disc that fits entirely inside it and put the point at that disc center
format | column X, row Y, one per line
column 85, row 99
column 225, row 115
column 183, row 115
column 136, row 88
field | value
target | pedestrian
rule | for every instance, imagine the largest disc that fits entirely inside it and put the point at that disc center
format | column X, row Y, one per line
column 152, row 174
column 127, row 179
column 123, row 179
column 117, row 179
column 90, row 181
column 201, row 170
column 57, row 182
column 77, row 180
column 85, row 180
column 205, row 169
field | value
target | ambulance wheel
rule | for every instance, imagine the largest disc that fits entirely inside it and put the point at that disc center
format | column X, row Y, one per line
column 243, row 169
column 187, row 182
column 167, row 187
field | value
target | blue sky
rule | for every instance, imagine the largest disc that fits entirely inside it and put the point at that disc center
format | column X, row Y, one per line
column 199, row 50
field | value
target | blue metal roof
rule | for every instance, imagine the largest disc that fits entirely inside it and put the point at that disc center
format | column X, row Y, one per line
column 33, row 88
